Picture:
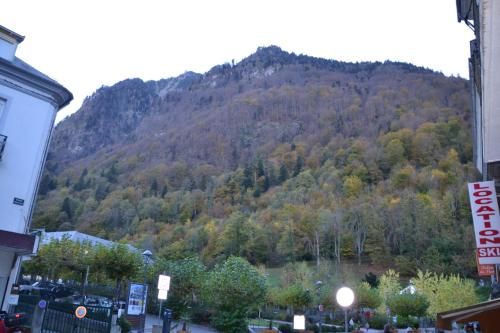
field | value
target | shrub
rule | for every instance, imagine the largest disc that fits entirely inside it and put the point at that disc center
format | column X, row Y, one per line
column 312, row 328
column 378, row 321
column 367, row 297
column 232, row 321
column 406, row 305
column 124, row 324
column 404, row 322
column 285, row 328
column 445, row 292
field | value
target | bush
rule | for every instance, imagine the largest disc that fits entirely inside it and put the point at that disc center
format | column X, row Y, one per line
column 406, row 305
column 404, row 322
column 233, row 321
column 367, row 297
column 285, row 328
column 124, row 324
column 378, row 321
column 312, row 328
column 326, row 329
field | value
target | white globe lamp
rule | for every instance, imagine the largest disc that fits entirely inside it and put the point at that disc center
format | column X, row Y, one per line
column 345, row 298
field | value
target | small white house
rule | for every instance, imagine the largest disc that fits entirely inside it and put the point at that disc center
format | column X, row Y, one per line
column 29, row 101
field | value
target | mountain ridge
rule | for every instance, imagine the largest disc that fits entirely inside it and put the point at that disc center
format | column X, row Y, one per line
column 264, row 62
column 279, row 158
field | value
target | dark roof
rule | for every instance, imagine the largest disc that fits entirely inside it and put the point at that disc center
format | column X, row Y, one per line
column 27, row 73
column 12, row 34
column 26, row 67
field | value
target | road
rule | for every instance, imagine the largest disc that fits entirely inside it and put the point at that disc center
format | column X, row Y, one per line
column 153, row 320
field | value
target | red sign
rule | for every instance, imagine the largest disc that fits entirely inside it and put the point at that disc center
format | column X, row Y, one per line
column 484, row 270
column 486, row 216
column 80, row 312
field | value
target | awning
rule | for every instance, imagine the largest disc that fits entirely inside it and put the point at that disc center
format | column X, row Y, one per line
column 486, row 313
column 21, row 244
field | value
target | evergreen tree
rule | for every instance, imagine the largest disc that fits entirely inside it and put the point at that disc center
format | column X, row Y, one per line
column 66, row 207
column 283, row 176
column 154, row 187
column 299, row 164
column 247, row 177
column 260, row 168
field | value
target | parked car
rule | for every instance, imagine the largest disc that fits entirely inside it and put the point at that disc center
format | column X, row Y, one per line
column 98, row 301
column 46, row 289
column 90, row 300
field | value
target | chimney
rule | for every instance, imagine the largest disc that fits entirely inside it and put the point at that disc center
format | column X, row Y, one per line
column 8, row 43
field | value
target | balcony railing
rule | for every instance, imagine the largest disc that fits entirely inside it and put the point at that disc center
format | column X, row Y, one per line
column 3, row 140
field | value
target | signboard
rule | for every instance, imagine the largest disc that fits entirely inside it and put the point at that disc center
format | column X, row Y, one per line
column 80, row 312
column 486, row 217
column 162, row 294
column 42, row 304
column 299, row 322
column 164, row 282
column 14, row 295
column 18, row 201
column 484, row 270
column 136, row 295
column 13, row 299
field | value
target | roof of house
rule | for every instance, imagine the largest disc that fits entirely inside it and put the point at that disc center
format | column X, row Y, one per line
column 20, row 71
column 17, row 37
column 487, row 313
column 79, row 237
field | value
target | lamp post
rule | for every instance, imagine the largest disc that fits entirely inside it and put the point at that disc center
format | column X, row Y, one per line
column 147, row 255
column 86, row 279
column 345, row 298
column 319, row 283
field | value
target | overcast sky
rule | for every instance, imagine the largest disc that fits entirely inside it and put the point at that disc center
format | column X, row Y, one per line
column 87, row 44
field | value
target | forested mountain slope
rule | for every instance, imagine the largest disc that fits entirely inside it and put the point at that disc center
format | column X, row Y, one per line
column 279, row 157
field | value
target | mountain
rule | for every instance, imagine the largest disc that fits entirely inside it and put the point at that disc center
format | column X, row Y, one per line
column 279, row 157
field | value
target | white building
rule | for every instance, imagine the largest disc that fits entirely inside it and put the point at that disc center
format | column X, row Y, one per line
column 483, row 17
column 29, row 101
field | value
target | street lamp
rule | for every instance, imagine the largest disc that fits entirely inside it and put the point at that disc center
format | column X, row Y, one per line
column 345, row 298
column 319, row 283
column 86, row 280
column 147, row 255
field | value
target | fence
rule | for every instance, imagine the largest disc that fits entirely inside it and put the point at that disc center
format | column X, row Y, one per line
column 61, row 322
column 61, row 318
column 27, row 304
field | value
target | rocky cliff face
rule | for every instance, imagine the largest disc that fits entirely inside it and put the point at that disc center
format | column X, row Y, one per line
column 235, row 112
column 111, row 115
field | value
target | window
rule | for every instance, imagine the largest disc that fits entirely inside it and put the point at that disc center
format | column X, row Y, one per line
column 3, row 138
column 2, row 105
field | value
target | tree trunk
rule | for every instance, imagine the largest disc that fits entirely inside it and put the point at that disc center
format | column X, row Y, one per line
column 117, row 289
column 317, row 249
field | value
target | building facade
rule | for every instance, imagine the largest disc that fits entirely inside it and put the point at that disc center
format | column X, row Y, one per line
column 483, row 17
column 29, row 102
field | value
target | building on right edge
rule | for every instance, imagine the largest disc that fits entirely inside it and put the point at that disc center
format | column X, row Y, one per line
column 483, row 17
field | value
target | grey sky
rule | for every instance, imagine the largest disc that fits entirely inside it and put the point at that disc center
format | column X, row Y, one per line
column 87, row 44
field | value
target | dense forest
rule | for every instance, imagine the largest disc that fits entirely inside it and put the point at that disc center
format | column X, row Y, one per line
column 277, row 158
